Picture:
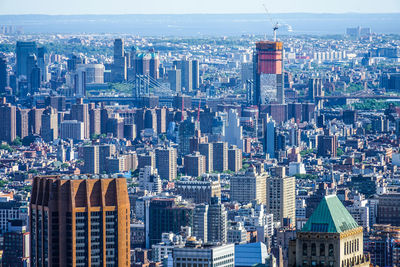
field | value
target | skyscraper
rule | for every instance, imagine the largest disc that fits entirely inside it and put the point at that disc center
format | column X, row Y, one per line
column 268, row 70
column 206, row 149
column 220, row 156
column 195, row 74
column 234, row 159
column 249, row 186
column 80, row 112
column 200, row 222
column 91, row 159
column 79, row 221
column 23, row 50
column 217, row 222
column 269, row 137
column 8, row 127
column 186, row 130
column 119, row 68
column 3, row 74
column 49, row 130
column 166, row 163
column 195, row 164
column 327, row 145
column 281, row 197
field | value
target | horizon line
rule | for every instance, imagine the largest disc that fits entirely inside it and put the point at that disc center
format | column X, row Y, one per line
column 205, row 13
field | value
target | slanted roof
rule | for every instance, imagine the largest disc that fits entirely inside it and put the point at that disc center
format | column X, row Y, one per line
column 330, row 217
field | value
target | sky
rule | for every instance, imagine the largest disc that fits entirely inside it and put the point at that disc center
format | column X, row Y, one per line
column 67, row 7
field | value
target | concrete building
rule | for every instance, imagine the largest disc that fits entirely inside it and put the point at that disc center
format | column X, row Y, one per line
column 166, row 163
column 234, row 159
column 330, row 236
column 217, row 222
column 90, row 228
column 248, row 186
column 72, row 129
column 281, row 197
column 198, row 191
column 200, row 222
column 8, row 127
column 220, row 156
column 206, row 150
column 149, row 180
column 195, row 164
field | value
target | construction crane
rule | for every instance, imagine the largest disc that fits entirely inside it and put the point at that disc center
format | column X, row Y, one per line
column 275, row 25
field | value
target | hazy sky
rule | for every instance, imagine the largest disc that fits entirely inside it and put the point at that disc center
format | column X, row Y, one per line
column 194, row 6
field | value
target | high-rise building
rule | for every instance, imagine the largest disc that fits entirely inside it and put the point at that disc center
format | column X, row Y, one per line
column 206, row 149
column 80, row 112
column 327, row 145
column 200, row 222
column 186, row 130
column 8, row 127
column 35, row 120
column 105, row 151
column 16, row 245
column 234, row 159
column 195, row 74
column 22, row 123
column 314, row 88
column 166, row 215
column 389, row 209
column 91, row 159
column 49, row 130
column 220, row 156
column 249, row 186
column 119, row 68
column 79, row 221
column 330, row 237
column 269, row 137
column 146, row 159
column 72, row 129
column 281, row 197
column 94, row 120
column 23, row 50
column 233, row 129
column 217, row 222
column 166, row 163
column 149, row 180
column 198, row 191
column 268, row 73
column 174, row 79
column 195, row 164
column 3, row 74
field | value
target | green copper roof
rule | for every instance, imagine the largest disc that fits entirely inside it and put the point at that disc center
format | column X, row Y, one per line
column 330, row 217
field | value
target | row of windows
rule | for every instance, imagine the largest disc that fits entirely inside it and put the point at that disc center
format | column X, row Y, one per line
column 322, row 249
column 351, row 246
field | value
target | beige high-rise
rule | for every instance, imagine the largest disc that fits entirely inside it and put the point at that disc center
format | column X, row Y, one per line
column 248, row 186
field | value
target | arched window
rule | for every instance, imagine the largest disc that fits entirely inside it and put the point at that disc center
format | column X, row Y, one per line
column 322, row 249
column 330, row 250
column 304, row 249
column 313, row 249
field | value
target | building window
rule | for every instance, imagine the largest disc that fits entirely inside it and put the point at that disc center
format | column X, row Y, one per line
column 322, row 249
column 358, row 244
column 330, row 250
column 304, row 249
column 313, row 249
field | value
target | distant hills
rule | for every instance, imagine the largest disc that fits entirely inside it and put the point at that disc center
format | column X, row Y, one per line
column 203, row 24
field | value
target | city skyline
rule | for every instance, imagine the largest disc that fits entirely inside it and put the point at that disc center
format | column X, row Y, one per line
column 9, row 7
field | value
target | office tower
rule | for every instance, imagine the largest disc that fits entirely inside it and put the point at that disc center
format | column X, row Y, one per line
column 197, row 139
column 166, row 163
column 327, row 145
column 154, row 65
column 72, row 129
column 174, row 79
column 281, row 197
column 195, row 164
column 80, row 112
column 115, row 126
column 35, row 120
column 200, row 222
column 49, row 130
column 193, row 253
column 41, row 63
column 22, row 123
column 268, row 70
column 94, row 73
column 315, row 88
column 350, row 116
column 198, row 191
column 146, row 159
column 330, row 237
column 196, row 74
column 269, row 137
column 91, row 159
column 220, row 156
column 217, row 221
column 161, row 120
column 206, row 150
column 23, row 50
column 119, row 68
column 186, row 130
column 3, row 74
column 16, row 245
column 233, row 130
column 11, row 210
column 166, row 215
column 56, row 102
column 389, row 209
column 249, row 186
column 94, row 120
column 8, row 127
column 149, row 180
column 34, row 79
column 79, row 221
column 234, row 159
column 105, row 151
column 105, row 114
